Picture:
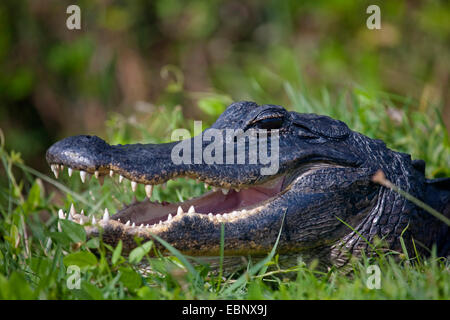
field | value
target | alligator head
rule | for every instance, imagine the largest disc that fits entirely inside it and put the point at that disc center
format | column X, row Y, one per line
column 270, row 170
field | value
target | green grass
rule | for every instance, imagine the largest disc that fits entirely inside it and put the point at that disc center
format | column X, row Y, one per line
column 33, row 267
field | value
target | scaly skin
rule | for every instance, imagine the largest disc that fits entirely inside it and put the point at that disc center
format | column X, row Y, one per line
column 325, row 172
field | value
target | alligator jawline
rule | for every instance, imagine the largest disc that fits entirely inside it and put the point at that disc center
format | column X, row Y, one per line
column 221, row 206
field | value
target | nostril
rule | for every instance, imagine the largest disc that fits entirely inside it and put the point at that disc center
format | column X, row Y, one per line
column 80, row 152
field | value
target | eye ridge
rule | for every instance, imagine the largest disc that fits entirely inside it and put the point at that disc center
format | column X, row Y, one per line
column 270, row 122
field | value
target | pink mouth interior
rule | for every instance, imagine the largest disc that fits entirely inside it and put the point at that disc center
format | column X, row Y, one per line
column 217, row 202
column 212, row 202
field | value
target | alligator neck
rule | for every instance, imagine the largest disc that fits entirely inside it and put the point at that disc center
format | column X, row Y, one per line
column 392, row 216
column 437, row 195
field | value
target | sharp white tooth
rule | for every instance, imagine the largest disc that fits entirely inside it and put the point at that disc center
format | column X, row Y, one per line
column 225, row 215
column 243, row 211
column 82, row 212
column 149, row 190
column 97, row 174
column 237, row 189
column 70, row 171
column 206, row 186
column 106, row 215
column 215, row 189
column 61, row 167
column 133, row 186
column 210, row 215
column 93, row 220
column 55, row 169
column 111, row 173
column 180, row 211
column 147, row 226
column 128, row 223
column 191, row 209
column 120, row 179
column 225, row 191
column 141, row 226
column 169, row 217
column 81, row 220
column 72, row 210
column 83, row 176
column 118, row 220
column 133, row 225
column 160, row 222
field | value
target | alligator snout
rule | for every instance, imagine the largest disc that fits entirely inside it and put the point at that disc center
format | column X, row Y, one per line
column 83, row 152
column 92, row 155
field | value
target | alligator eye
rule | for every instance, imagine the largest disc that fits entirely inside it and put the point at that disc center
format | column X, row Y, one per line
column 270, row 123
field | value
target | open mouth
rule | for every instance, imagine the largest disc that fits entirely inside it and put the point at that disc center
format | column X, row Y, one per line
column 217, row 205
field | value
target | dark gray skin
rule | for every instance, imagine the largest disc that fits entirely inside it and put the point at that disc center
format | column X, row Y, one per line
column 325, row 175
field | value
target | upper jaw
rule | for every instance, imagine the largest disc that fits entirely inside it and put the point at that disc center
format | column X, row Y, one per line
column 229, row 200
column 149, row 164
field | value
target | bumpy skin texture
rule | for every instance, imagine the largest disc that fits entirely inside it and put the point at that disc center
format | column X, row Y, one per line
column 327, row 170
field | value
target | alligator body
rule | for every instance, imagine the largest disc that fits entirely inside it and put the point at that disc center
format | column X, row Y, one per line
column 323, row 178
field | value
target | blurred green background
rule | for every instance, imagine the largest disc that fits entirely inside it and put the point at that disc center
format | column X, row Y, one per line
column 139, row 69
column 198, row 56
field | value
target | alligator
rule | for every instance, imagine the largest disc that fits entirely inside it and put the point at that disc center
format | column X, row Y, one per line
column 320, row 203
